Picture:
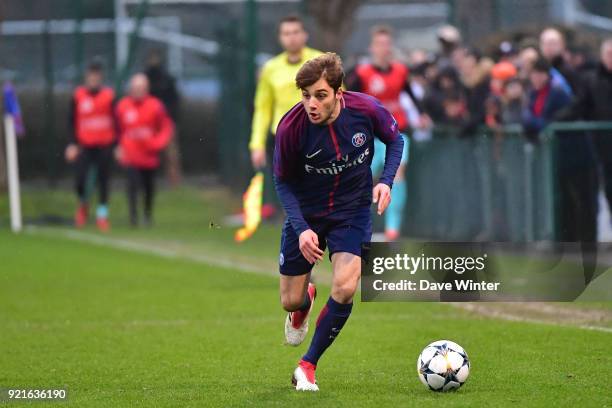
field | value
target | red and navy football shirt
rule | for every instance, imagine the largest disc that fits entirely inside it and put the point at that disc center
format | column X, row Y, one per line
column 323, row 171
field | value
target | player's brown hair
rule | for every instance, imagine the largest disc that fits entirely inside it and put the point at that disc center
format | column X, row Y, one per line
column 292, row 18
column 381, row 29
column 328, row 66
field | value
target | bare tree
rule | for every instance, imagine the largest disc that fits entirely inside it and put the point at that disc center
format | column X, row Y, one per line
column 334, row 20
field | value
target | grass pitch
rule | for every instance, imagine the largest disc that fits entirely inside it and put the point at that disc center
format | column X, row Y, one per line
column 119, row 327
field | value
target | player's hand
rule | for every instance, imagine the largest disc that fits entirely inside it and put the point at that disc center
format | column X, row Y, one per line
column 118, row 153
column 258, row 158
column 381, row 195
column 71, row 153
column 309, row 246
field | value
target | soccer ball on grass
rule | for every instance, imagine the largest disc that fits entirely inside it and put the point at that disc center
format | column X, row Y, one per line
column 443, row 366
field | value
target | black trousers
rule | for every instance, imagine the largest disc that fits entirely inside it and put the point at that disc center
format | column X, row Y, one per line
column 140, row 180
column 578, row 204
column 603, row 146
column 97, row 159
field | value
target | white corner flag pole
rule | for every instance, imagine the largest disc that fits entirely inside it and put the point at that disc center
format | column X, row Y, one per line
column 12, row 166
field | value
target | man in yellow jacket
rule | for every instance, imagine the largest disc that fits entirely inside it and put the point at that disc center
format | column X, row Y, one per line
column 276, row 91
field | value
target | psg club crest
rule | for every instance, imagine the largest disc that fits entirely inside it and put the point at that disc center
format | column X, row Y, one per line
column 358, row 139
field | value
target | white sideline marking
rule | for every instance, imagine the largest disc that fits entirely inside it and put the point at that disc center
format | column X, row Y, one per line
column 514, row 318
column 119, row 243
column 148, row 248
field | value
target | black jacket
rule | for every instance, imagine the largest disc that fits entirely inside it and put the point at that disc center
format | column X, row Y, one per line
column 571, row 76
column 593, row 100
column 163, row 86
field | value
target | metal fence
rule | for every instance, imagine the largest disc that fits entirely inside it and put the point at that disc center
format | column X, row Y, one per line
column 492, row 186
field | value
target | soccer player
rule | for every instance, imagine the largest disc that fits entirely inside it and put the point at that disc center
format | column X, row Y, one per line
column 276, row 92
column 91, row 140
column 386, row 79
column 324, row 148
column 145, row 130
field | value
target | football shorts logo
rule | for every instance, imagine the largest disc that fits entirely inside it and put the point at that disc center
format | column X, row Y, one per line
column 281, row 259
column 358, row 139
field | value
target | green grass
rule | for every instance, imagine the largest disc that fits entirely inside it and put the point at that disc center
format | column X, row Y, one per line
column 121, row 328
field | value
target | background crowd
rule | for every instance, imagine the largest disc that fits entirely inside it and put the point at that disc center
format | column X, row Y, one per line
column 526, row 85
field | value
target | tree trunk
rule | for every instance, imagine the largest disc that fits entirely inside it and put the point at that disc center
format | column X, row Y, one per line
column 334, row 20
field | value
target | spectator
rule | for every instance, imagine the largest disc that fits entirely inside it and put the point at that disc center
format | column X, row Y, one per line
column 500, row 73
column 545, row 99
column 145, row 131
column 594, row 103
column 474, row 71
column 526, row 58
column 455, row 110
column 513, row 102
column 552, row 48
column 449, row 39
column 504, row 105
column 447, row 81
column 92, row 136
column 580, row 60
column 163, row 87
column 386, row 79
column 576, row 175
column 576, row 169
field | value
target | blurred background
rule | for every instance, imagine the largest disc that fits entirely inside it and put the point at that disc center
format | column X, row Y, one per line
column 480, row 172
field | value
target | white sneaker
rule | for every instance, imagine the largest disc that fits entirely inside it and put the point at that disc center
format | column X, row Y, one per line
column 304, row 377
column 294, row 336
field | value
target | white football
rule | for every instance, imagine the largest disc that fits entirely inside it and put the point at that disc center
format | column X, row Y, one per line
column 443, row 366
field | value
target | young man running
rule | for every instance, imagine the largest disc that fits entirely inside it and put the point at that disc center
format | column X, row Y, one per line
column 324, row 148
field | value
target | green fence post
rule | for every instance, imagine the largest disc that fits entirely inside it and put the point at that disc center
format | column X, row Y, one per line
column 122, row 75
column 49, row 106
column 78, row 40
column 528, row 150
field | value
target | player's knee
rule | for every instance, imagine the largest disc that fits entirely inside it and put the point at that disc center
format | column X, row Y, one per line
column 291, row 303
column 344, row 292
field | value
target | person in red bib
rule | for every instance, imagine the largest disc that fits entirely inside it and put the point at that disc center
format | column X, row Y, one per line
column 91, row 140
column 145, row 131
column 386, row 79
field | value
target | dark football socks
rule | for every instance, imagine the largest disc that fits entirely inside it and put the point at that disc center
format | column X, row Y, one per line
column 330, row 322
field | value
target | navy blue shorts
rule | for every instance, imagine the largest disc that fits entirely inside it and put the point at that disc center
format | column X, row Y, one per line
column 344, row 235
